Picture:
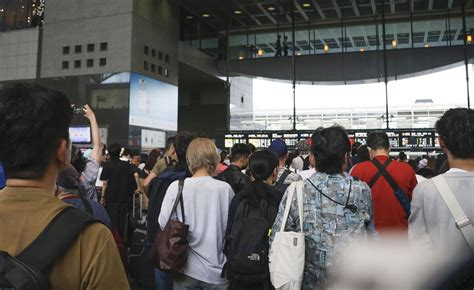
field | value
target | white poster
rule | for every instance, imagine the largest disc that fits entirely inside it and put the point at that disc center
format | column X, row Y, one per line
column 153, row 139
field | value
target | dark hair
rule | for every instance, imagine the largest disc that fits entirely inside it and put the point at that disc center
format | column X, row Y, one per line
column 238, row 151
column 425, row 172
column 78, row 160
column 223, row 155
column 378, row 140
column 33, row 120
column 363, row 153
column 252, row 147
column 262, row 164
column 181, row 143
column 169, row 142
column 114, row 150
column 414, row 164
column 330, row 145
column 402, row 156
column 355, row 146
column 152, row 158
column 456, row 129
column 127, row 152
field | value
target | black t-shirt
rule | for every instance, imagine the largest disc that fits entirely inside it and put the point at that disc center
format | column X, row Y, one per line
column 120, row 181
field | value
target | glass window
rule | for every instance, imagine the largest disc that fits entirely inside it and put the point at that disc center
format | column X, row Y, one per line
column 90, row 63
column 146, row 50
column 77, row 64
column 78, row 49
column 103, row 46
column 65, row 50
column 102, row 62
column 90, row 47
column 65, row 65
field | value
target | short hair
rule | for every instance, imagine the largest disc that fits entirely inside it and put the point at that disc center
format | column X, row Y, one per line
column 402, row 156
column 114, row 150
column 456, row 129
column 330, row 146
column 181, row 143
column 238, row 151
column 202, row 153
column 169, row 143
column 33, row 121
column 378, row 140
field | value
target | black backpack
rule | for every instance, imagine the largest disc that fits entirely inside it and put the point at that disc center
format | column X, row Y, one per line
column 280, row 186
column 158, row 188
column 247, row 244
column 29, row 270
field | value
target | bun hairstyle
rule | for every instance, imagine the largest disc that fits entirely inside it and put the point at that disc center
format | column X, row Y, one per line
column 262, row 164
column 330, row 145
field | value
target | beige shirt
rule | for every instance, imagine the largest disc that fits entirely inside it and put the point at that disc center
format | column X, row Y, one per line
column 160, row 165
column 92, row 262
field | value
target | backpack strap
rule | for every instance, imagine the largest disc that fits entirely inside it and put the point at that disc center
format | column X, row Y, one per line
column 399, row 194
column 463, row 223
column 55, row 239
column 283, row 177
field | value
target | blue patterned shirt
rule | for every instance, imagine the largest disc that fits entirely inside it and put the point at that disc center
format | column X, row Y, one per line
column 328, row 226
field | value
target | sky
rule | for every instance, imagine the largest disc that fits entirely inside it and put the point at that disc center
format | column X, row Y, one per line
column 446, row 88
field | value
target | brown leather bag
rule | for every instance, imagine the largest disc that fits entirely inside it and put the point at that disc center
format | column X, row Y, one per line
column 170, row 250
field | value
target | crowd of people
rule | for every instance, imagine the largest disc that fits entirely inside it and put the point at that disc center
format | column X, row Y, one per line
column 231, row 205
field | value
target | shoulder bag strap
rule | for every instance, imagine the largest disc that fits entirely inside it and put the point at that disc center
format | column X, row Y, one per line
column 289, row 200
column 178, row 199
column 400, row 195
column 463, row 223
column 375, row 162
column 299, row 196
column 55, row 239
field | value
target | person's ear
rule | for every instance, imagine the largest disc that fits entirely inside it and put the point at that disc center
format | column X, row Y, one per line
column 63, row 153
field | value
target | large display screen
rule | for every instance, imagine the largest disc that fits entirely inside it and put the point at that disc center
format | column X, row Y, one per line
column 153, row 104
column 80, row 135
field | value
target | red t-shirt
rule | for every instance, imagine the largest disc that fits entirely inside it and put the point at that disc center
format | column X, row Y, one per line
column 389, row 215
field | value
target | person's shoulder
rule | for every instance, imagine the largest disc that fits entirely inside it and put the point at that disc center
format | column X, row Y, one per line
column 403, row 167
column 221, row 185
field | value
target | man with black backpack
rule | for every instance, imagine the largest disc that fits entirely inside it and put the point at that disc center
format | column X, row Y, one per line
column 45, row 243
column 392, row 185
column 285, row 176
column 158, row 188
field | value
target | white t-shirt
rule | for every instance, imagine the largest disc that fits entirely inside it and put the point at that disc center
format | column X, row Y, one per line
column 206, row 206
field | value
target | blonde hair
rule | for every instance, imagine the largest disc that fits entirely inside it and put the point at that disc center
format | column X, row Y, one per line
column 202, row 153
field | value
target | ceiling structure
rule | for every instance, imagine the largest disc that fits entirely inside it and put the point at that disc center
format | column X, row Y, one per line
column 318, row 23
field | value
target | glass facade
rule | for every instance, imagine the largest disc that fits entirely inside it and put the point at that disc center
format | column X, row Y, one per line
column 21, row 14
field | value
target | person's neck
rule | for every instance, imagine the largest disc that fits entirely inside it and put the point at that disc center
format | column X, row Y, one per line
column 47, row 182
column 463, row 164
column 237, row 164
column 201, row 172
column 381, row 153
column 282, row 163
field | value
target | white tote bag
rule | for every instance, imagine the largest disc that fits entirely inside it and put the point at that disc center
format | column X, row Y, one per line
column 286, row 257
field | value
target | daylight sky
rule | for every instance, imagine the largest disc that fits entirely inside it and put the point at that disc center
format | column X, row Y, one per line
column 447, row 88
